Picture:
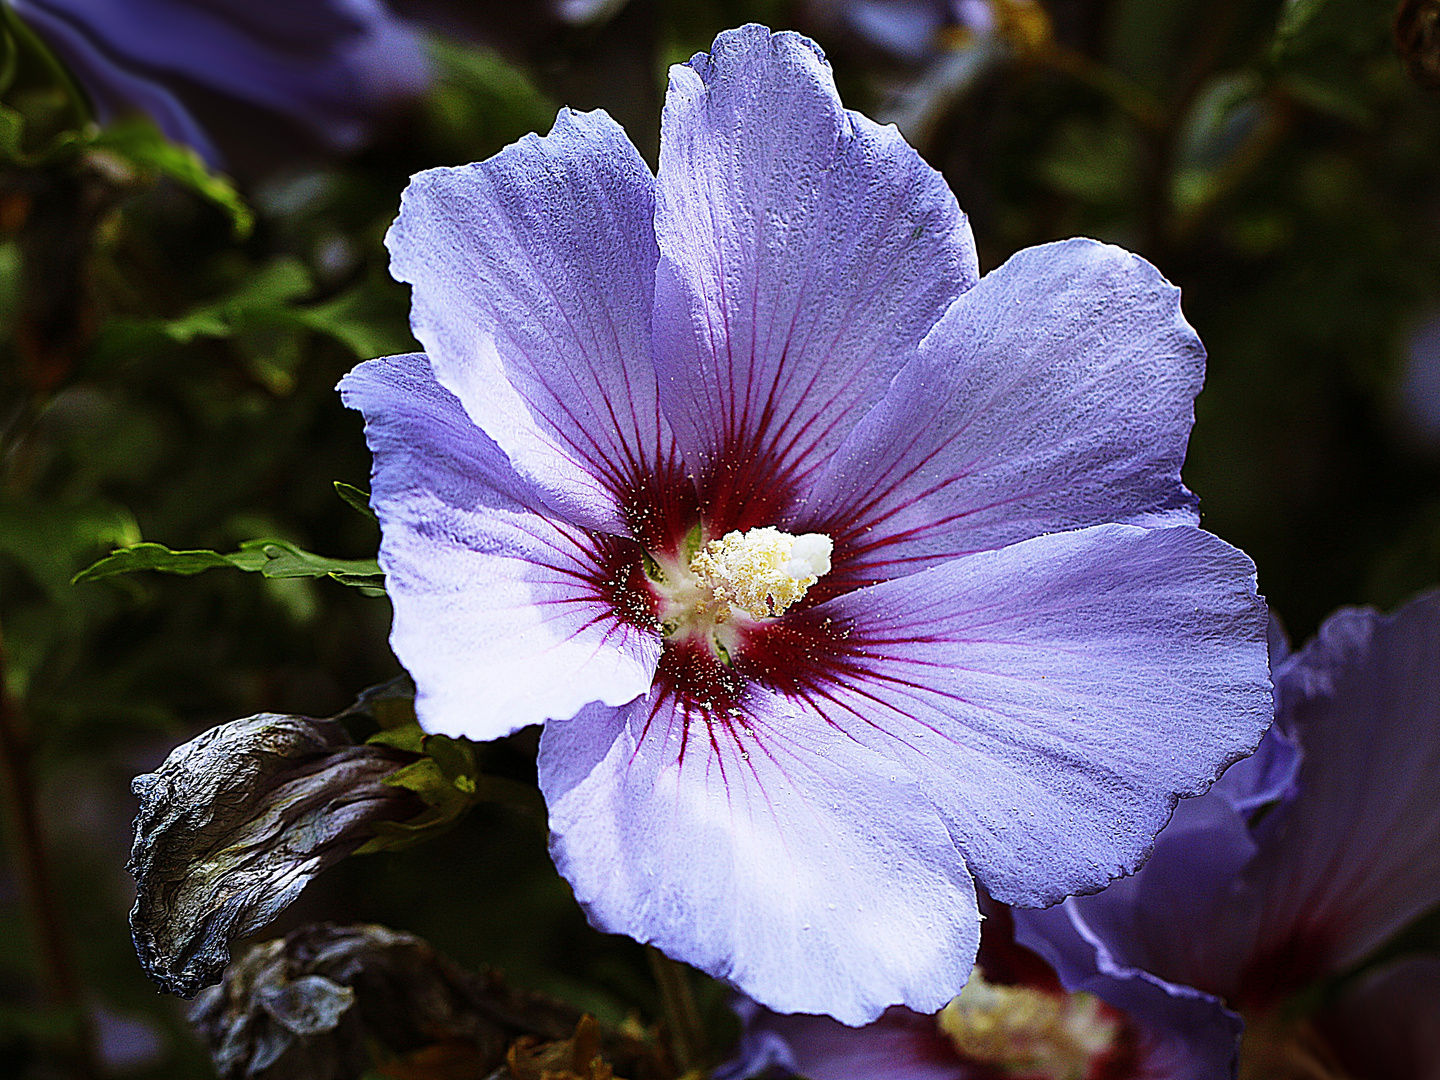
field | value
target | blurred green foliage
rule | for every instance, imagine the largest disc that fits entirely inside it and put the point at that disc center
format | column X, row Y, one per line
column 170, row 340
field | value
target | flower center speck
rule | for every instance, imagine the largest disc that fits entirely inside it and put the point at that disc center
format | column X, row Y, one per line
column 712, row 592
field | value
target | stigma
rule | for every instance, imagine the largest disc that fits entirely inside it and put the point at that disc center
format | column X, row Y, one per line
column 761, row 571
column 1028, row 1031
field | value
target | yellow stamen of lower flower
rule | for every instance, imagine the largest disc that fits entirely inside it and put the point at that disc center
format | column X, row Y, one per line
column 1026, row 1031
column 762, row 571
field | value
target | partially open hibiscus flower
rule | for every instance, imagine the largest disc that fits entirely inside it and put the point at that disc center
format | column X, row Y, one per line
column 836, row 575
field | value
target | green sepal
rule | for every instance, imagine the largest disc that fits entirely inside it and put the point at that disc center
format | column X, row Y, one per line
column 448, row 781
column 392, row 706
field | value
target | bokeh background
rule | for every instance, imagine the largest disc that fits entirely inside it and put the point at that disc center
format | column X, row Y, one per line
column 169, row 344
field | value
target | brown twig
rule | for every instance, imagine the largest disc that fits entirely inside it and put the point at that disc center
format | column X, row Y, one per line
column 687, row 1036
column 62, row 986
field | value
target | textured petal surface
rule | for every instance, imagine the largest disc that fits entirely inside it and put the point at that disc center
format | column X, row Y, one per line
column 326, row 63
column 500, row 611
column 1054, row 395
column 762, row 847
column 1056, row 696
column 1388, row 1026
column 1183, row 1034
column 533, row 274
column 805, row 251
column 1356, row 855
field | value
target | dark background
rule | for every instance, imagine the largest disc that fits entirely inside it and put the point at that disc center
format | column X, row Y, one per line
column 1278, row 161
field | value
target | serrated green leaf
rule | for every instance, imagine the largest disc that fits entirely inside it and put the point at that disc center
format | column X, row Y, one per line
column 355, row 498
column 140, row 144
column 284, row 560
column 149, row 556
column 272, row 558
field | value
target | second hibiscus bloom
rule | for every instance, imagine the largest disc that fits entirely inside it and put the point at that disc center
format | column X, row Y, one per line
column 840, row 577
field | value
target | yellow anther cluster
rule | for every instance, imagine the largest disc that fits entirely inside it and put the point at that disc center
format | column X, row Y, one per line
column 1028, row 1031
column 762, row 571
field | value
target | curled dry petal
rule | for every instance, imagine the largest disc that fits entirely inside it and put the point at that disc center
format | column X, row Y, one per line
column 235, row 823
column 327, row 1002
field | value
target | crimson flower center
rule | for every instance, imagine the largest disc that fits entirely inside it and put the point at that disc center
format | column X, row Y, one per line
column 712, row 594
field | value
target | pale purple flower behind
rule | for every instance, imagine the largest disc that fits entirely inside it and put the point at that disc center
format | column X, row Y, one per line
column 1298, row 866
column 1022, row 1025
column 1020, row 650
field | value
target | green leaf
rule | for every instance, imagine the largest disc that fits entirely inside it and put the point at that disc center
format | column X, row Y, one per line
column 355, row 498
column 283, row 560
column 153, row 557
column 12, row 134
column 480, row 102
column 44, row 107
column 360, row 320
column 50, row 541
column 1294, row 16
column 409, row 737
column 140, row 144
column 272, row 558
column 267, row 297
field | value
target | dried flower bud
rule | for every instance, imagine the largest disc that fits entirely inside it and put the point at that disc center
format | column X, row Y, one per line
column 236, row 823
column 331, row 1002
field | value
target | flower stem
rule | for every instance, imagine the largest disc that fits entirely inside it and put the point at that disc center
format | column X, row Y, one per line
column 52, row 951
column 687, row 1037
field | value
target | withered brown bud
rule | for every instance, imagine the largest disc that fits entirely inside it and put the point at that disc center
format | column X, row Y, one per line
column 1417, row 38
column 337, row 1002
column 236, row 823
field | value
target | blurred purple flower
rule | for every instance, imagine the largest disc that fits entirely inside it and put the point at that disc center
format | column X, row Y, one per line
column 584, row 12
column 1420, row 384
column 1013, row 1020
column 657, row 410
column 1277, row 879
column 327, row 65
column 911, row 30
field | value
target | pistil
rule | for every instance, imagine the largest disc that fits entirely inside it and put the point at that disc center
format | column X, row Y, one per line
column 734, row 582
column 763, row 571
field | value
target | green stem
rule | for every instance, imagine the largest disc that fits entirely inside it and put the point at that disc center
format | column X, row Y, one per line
column 687, row 1037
